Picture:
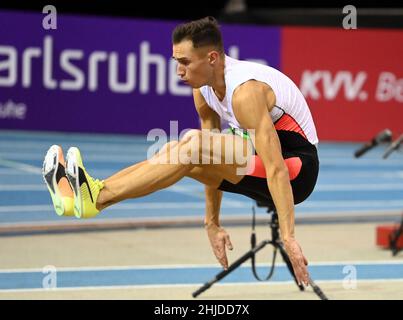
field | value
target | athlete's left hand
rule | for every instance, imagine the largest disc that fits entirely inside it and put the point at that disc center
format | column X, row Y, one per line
column 298, row 261
column 219, row 240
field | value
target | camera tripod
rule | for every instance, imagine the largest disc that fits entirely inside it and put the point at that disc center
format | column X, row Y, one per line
column 385, row 136
column 278, row 246
column 394, row 238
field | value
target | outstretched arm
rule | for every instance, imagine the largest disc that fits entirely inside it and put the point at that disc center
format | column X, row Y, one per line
column 251, row 104
column 219, row 239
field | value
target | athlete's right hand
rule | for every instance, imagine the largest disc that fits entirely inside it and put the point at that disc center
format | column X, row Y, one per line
column 219, row 240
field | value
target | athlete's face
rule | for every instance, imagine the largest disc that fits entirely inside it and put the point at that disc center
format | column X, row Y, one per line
column 193, row 66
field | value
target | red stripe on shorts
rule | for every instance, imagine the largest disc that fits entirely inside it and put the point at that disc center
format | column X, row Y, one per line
column 288, row 123
column 294, row 165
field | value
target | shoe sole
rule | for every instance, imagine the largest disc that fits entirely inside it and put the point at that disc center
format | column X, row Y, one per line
column 72, row 173
column 49, row 170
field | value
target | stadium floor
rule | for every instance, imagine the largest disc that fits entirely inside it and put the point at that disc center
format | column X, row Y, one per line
column 155, row 247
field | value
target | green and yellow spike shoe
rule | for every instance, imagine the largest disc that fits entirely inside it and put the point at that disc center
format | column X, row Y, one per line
column 86, row 189
column 53, row 172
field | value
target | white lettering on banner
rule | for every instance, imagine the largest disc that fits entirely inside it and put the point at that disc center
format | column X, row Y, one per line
column 389, row 87
column 88, row 78
column 331, row 86
column 114, row 73
column 12, row 110
column 76, row 73
column 308, row 84
column 146, row 60
column 9, row 65
column 48, row 81
column 27, row 57
column 95, row 57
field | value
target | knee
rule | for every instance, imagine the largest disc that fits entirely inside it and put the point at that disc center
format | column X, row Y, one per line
column 166, row 148
column 171, row 144
column 193, row 140
column 169, row 147
column 191, row 135
column 191, row 146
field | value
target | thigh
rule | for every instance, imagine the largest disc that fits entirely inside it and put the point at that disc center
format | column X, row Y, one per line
column 214, row 174
column 256, row 186
column 219, row 156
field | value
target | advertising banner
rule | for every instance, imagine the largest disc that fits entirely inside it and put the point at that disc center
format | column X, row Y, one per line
column 97, row 74
column 352, row 79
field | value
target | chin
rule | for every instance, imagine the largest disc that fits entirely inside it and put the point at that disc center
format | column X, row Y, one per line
column 196, row 86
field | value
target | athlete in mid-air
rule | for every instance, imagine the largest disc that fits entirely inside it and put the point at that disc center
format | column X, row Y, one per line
column 267, row 113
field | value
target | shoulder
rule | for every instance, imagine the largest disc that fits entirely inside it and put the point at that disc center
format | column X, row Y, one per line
column 251, row 89
column 246, row 75
column 198, row 97
column 200, row 102
column 202, row 90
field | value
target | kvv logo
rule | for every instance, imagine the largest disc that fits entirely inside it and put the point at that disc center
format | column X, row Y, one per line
column 331, row 85
column 390, row 88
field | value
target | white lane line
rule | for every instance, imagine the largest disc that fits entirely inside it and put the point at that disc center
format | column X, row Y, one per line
column 36, row 170
column 395, row 175
column 130, row 206
column 360, row 162
column 193, row 191
column 128, row 157
column 358, row 187
column 361, row 174
column 188, row 285
column 196, row 190
column 196, row 266
column 228, row 204
column 103, row 157
column 20, row 166
column 22, row 187
column 25, row 135
column 350, row 203
column 16, row 147
column 15, row 172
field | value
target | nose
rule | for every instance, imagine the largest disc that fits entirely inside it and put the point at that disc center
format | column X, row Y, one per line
column 180, row 70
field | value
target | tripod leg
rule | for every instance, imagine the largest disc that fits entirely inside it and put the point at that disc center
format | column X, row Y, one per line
column 317, row 290
column 288, row 263
column 394, row 238
column 231, row 268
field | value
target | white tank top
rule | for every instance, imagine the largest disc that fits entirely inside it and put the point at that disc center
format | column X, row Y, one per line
column 291, row 111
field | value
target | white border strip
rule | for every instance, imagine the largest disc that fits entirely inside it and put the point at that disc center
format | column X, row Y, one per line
column 184, row 266
column 186, row 285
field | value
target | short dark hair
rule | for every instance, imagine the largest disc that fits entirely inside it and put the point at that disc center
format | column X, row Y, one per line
column 202, row 32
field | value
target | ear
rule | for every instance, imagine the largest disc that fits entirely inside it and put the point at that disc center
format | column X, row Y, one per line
column 213, row 57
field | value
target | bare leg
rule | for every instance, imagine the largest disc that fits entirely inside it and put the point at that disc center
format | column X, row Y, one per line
column 130, row 169
column 143, row 178
column 147, row 177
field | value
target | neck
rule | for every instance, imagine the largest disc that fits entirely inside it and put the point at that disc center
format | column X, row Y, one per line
column 218, row 81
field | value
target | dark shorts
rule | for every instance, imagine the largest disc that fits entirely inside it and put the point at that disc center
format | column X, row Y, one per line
column 294, row 146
